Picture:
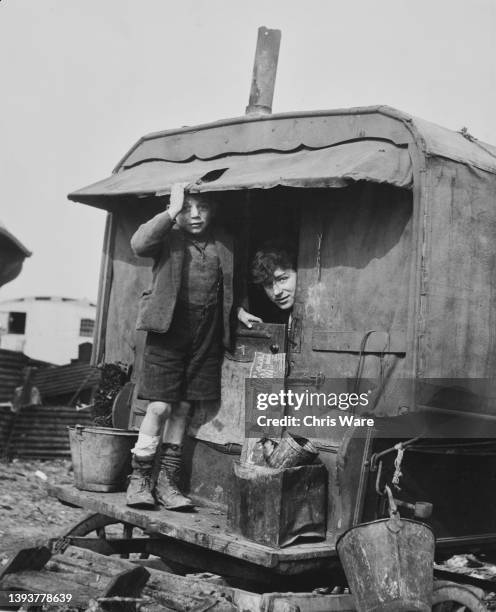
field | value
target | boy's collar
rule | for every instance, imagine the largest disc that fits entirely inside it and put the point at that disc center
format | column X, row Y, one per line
column 210, row 234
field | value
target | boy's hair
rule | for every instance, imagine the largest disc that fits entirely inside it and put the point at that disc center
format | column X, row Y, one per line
column 267, row 259
column 203, row 197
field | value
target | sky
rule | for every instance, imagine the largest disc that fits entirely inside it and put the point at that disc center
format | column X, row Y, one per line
column 82, row 80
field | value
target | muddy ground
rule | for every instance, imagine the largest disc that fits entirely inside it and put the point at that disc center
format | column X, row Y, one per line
column 27, row 514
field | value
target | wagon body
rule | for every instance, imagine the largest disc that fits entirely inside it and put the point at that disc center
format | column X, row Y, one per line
column 395, row 219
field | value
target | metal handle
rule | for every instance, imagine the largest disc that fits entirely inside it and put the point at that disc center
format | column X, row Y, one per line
column 394, row 524
column 252, row 333
column 420, row 509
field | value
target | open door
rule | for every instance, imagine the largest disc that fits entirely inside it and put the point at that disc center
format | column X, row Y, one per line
column 351, row 312
column 350, row 321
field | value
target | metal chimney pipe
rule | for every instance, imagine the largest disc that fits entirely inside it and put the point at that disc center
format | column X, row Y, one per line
column 264, row 72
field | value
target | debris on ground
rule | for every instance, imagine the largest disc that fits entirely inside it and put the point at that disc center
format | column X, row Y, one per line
column 113, row 377
column 27, row 513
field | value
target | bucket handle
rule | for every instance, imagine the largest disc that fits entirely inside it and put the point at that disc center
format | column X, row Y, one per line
column 394, row 524
column 79, row 430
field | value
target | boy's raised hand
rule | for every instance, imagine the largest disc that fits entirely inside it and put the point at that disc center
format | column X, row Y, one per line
column 176, row 199
column 247, row 319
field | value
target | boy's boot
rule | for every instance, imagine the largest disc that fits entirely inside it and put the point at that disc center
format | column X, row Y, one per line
column 139, row 490
column 167, row 487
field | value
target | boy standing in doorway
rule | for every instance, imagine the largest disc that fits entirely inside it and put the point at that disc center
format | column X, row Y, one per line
column 187, row 314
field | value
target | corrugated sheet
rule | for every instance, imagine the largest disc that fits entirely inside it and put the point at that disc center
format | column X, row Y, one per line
column 5, row 420
column 40, row 432
column 62, row 380
column 51, row 381
column 337, row 166
column 12, row 365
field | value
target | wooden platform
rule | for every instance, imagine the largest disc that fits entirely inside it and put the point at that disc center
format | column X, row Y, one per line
column 206, row 528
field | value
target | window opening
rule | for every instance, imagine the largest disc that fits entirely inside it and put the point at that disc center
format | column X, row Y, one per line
column 87, row 327
column 17, row 323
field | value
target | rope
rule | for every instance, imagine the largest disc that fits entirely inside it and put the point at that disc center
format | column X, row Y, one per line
column 397, row 466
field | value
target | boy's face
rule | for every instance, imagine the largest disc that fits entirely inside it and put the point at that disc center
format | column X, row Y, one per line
column 281, row 289
column 196, row 214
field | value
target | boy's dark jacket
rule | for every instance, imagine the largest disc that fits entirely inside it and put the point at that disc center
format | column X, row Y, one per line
column 158, row 238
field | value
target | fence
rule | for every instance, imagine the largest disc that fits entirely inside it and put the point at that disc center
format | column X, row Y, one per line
column 38, row 432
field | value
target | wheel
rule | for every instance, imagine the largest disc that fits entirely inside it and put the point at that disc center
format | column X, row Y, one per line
column 90, row 523
column 452, row 597
column 104, row 543
column 83, row 535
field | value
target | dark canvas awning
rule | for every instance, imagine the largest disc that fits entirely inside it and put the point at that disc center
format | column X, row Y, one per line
column 12, row 255
column 336, row 166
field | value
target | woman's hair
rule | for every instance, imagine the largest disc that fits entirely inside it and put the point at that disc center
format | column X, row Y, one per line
column 268, row 258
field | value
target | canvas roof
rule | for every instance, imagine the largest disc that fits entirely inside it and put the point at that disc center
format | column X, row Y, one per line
column 375, row 161
column 314, row 149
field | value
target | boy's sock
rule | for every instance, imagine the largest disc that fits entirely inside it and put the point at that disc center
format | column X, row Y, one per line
column 145, row 445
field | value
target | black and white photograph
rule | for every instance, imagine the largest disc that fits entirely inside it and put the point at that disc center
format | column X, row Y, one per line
column 247, row 306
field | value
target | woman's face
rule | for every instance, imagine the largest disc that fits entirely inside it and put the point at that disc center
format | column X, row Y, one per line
column 281, row 289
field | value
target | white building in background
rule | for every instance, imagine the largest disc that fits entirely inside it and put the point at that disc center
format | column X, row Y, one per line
column 47, row 328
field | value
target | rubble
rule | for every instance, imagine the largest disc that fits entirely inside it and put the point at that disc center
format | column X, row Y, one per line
column 27, row 513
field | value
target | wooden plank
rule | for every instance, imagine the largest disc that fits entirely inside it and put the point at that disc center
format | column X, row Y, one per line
column 104, row 287
column 207, row 529
column 269, row 366
column 393, row 341
column 195, row 587
column 48, row 582
column 309, row 602
column 186, row 592
column 80, row 578
column 27, row 559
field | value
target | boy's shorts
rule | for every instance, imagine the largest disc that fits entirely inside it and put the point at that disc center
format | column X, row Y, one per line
column 184, row 364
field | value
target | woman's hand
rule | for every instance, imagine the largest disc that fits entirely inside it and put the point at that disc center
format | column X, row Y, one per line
column 247, row 319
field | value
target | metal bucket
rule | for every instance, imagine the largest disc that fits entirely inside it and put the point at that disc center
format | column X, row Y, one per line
column 101, row 457
column 389, row 565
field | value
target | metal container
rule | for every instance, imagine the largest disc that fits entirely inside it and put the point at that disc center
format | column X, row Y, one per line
column 278, row 507
column 389, row 565
column 101, row 457
column 292, row 451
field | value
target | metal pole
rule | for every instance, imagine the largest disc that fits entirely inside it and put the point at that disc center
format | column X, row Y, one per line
column 264, row 72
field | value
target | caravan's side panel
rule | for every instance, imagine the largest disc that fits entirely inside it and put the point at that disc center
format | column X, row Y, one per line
column 130, row 276
column 457, row 317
